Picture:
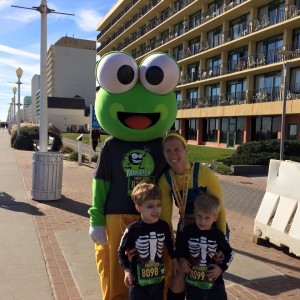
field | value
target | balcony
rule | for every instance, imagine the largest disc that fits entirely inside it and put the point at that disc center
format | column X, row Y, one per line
column 273, row 17
column 255, row 96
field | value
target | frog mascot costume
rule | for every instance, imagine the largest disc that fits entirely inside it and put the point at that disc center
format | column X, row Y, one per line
column 136, row 105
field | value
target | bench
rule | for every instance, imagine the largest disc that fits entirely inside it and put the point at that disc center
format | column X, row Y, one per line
column 36, row 144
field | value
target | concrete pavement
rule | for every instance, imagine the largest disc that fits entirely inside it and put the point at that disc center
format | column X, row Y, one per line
column 45, row 251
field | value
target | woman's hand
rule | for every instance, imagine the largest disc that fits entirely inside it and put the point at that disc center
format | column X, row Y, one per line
column 128, row 278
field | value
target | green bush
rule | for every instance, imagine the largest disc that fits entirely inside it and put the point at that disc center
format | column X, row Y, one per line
column 74, row 156
column 260, row 153
column 94, row 158
column 67, row 149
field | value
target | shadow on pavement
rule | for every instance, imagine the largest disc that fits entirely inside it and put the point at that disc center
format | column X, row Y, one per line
column 283, row 250
column 8, row 202
column 69, row 205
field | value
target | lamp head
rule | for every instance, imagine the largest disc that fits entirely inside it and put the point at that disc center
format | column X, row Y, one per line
column 14, row 89
column 19, row 72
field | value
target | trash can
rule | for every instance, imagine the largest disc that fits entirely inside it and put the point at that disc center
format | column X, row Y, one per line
column 47, row 170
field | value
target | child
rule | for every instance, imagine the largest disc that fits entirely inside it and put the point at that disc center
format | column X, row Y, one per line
column 204, row 252
column 144, row 275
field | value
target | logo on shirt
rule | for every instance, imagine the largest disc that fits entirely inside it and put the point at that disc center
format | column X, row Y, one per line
column 138, row 163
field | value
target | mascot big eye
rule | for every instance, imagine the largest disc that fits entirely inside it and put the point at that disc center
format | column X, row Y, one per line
column 136, row 105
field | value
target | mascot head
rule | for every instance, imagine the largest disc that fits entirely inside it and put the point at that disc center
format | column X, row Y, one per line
column 136, row 103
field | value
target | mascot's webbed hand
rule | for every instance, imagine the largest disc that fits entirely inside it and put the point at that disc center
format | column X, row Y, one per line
column 98, row 234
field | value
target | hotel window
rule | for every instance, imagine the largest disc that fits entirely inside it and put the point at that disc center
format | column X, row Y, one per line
column 210, row 129
column 214, row 37
column 195, row 19
column 165, row 14
column 193, row 72
column 236, row 57
column 178, row 29
column 164, row 37
column 239, row 124
column 296, row 39
column 270, row 49
column 134, row 53
column 219, row 7
column 134, row 36
column 264, row 128
column 239, row 27
column 144, row 9
column 178, row 52
column 236, row 91
column 153, row 43
column 268, row 85
column 192, row 96
column 295, row 81
column 143, row 29
column 191, row 129
column 194, row 45
column 240, row 128
column 179, row 5
column 153, row 23
column 177, row 124
column 213, row 66
column 212, row 94
column 292, row 131
column 143, row 48
column 224, row 130
column 274, row 12
column 178, row 96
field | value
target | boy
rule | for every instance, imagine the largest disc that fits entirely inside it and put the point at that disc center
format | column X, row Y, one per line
column 204, row 252
column 144, row 275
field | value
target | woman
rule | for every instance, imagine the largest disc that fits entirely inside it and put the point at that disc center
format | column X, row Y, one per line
column 182, row 182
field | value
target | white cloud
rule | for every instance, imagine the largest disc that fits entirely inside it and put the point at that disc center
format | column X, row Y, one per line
column 23, row 15
column 5, row 3
column 87, row 19
column 18, row 52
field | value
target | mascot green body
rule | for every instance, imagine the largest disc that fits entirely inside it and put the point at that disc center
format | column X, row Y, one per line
column 136, row 105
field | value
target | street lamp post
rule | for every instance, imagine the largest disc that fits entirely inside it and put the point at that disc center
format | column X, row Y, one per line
column 14, row 89
column 13, row 111
column 11, row 114
column 19, row 73
column 47, row 167
column 285, row 83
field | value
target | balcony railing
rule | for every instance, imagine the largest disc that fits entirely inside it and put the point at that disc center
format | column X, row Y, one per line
column 290, row 51
column 259, row 95
column 273, row 17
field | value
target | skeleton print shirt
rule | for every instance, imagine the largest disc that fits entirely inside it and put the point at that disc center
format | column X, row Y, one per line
column 147, row 266
column 200, row 248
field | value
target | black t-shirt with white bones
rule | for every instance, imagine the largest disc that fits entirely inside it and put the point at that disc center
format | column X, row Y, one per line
column 147, row 266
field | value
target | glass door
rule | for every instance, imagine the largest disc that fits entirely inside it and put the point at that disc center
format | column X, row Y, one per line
column 231, row 135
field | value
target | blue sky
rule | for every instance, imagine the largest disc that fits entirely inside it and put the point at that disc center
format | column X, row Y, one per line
column 20, row 31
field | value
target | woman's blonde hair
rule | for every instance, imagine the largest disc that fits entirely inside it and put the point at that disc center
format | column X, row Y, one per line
column 173, row 135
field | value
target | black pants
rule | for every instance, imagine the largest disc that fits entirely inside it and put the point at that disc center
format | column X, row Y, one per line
column 148, row 292
column 95, row 143
column 218, row 292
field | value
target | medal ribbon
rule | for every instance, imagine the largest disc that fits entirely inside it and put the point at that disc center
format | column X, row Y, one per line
column 181, row 200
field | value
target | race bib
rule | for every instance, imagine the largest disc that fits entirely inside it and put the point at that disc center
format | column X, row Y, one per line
column 198, row 278
column 134, row 180
column 151, row 273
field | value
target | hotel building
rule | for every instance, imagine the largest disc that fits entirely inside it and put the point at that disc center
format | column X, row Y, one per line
column 239, row 63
